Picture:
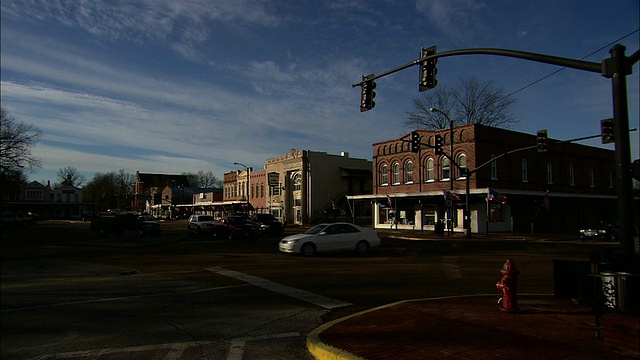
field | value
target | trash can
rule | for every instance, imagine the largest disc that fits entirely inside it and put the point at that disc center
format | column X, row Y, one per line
column 619, row 291
column 438, row 228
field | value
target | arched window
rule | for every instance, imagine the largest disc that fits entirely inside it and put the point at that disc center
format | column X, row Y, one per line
column 592, row 177
column 396, row 173
column 384, row 175
column 446, row 169
column 610, row 179
column 494, row 168
column 409, row 172
column 430, row 174
column 462, row 166
column 297, row 182
column 549, row 173
column 525, row 171
column 572, row 176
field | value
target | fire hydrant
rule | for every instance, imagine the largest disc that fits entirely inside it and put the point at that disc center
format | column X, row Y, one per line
column 508, row 287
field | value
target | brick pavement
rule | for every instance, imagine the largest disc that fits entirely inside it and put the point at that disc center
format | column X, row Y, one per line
column 467, row 328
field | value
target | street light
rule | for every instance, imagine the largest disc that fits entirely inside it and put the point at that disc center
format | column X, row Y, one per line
column 451, row 160
column 246, row 168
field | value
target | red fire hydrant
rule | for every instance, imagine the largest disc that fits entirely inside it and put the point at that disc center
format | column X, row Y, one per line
column 508, row 287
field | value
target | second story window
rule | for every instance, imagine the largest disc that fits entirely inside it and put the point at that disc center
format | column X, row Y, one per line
column 549, row 173
column 384, row 175
column 462, row 163
column 409, row 172
column 446, row 169
column 525, row 171
column 592, row 178
column 430, row 174
column 572, row 176
column 396, row 173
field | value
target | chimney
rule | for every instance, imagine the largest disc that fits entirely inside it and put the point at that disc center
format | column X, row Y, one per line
column 344, row 154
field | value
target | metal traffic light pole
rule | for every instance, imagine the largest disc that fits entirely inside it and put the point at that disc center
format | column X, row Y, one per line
column 616, row 68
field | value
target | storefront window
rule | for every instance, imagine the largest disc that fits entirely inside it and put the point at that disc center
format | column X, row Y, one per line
column 495, row 212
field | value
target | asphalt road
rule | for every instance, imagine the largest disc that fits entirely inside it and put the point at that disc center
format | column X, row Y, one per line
column 68, row 294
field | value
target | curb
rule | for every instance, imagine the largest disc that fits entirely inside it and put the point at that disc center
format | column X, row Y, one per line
column 322, row 351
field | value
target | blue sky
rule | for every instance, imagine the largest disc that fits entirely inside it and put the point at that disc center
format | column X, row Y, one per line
column 181, row 86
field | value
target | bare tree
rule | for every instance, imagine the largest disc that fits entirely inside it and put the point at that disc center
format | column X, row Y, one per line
column 472, row 102
column 70, row 176
column 16, row 140
column 111, row 190
column 204, row 179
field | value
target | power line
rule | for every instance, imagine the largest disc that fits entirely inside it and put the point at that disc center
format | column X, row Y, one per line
column 557, row 71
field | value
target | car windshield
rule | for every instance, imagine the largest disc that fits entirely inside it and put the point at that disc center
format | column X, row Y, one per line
column 316, row 229
column 263, row 217
column 205, row 218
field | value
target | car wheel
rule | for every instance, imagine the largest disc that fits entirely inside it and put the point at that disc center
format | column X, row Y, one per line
column 362, row 247
column 308, row 249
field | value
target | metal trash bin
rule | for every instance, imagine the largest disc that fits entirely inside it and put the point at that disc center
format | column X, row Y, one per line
column 619, row 291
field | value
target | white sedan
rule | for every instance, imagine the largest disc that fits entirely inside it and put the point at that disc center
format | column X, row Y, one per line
column 331, row 237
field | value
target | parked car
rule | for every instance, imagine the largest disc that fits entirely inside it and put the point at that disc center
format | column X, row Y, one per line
column 207, row 224
column 331, row 237
column 87, row 215
column 603, row 231
column 200, row 224
column 267, row 224
column 240, row 226
column 117, row 224
column 148, row 227
column 11, row 219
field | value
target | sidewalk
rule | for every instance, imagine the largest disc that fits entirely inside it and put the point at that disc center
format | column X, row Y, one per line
column 469, row 327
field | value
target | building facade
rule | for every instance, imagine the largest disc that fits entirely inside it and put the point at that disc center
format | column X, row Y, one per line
column 310, row 186
column 512, row 186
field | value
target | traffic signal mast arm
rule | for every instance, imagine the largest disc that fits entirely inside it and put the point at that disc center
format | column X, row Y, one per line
column 601, row 68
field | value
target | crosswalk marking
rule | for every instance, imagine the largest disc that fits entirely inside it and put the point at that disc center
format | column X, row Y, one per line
column 306, row 296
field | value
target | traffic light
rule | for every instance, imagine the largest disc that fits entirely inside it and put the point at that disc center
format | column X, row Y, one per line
column 415, row 142
column 439, row 149
column 606, row 131
column 367, row 94
column 542, row 141
column 428, row 69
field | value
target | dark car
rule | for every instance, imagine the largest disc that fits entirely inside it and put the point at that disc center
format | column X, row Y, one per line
column 240, row 226
column 267, row 224
column 148, row 227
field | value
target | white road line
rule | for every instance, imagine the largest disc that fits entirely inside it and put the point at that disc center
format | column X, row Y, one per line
column 236, row 351
column 306, row 296
column 175, row 351
column 116, row 299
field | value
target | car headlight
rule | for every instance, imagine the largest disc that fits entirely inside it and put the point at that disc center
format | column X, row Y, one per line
column 290, row 241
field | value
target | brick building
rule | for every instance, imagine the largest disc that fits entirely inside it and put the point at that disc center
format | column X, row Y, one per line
column 559, row 190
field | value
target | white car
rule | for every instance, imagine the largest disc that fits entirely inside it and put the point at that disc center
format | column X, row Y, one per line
column 331, row 237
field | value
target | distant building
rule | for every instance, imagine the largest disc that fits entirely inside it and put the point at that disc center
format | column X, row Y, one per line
column 148, row 187
column 559, row 190
column 311, row 186
column 63, row 202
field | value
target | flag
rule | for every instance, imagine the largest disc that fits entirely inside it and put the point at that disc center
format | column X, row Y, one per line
column 389, row 201
column 451, row 195
column 493, row 195
column 546, row 203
